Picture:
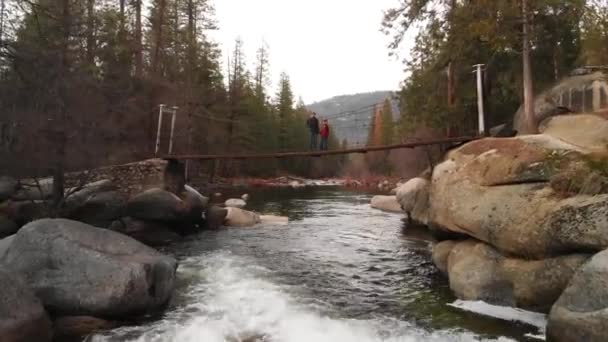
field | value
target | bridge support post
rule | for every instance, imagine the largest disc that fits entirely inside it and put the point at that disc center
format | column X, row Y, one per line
column 160, row 125
column 480, row 109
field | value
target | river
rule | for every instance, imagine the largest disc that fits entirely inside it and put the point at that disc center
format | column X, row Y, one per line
column 339, row 271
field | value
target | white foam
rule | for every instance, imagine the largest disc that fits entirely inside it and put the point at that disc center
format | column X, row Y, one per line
column 535, row 319
column 235, row 301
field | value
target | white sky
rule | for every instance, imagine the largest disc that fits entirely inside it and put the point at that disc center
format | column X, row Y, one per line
column 328, row 47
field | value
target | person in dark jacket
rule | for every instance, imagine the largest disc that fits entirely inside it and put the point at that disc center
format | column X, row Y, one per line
column 324, row 135
column 313, row 127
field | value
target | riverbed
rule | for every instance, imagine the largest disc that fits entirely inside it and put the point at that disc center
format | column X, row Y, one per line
column 339, row 271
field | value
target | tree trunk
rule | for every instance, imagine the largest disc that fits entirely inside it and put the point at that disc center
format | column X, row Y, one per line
column 91, row 32
column 451, row 96
column 530, row 126
column 139, row 59
column 158, row 35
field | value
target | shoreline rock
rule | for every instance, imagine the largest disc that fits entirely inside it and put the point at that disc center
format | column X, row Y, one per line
column 22, row 316
column 477, row 271
column 76, row 269
column 581, row 312
column 386, row 203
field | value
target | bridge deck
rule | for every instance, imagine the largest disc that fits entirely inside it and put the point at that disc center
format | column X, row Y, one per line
column 323, row 153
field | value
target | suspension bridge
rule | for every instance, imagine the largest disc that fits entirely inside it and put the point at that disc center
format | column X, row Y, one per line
column 349, row 123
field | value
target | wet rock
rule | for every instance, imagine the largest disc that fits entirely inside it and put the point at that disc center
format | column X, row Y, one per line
column 235, row 203
column 99, row 209
column 499, row 191
column 479, row 272
column 441, row 252
column 215, row 217
column 34, row 190
column 158, row 205
column 386, row 203
column 77, row 269
column 7, row 227
column 22, row 316
column 78, row 197
column 413, row 196
column 150, row 233
column 581, row 313
column 241, row 218
column 8, row 187
column 274, row 220
column 72, row 327
column 196, row 203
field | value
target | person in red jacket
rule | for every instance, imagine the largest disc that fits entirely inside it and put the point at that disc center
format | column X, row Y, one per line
column 324, row 135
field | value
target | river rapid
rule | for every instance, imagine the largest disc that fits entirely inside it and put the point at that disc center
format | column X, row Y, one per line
column 339, row 271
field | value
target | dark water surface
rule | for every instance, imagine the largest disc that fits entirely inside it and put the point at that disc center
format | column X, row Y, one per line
column 339, row 271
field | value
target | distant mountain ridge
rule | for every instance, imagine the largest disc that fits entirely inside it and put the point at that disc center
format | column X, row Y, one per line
column 350, row 115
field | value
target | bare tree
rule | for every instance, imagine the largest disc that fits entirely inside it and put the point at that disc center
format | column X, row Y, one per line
column 530, row 126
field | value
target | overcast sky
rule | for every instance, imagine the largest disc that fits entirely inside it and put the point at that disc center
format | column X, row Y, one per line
column 328, row 47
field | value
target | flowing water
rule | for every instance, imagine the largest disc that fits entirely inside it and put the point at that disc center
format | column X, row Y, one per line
column 339, row 271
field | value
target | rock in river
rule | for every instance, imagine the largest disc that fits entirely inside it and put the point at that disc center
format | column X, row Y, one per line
column 505, row 192
column 22, row 316
column 158, row 205
column 413, row 196
column 77, row 269
column 581, row 313
column 235, row 203
column 386, row 203
column 479, row 272
column 241, row 218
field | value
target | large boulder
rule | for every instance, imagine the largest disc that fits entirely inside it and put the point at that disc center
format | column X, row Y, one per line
column 581, row 313
column 586, row 131
column 215, row 217
column 158, row 205
column 195, row 202
column 22, row 316
column 77, row 269
column 386, row 203
column 236, row 217
column 150, row 233
column 8, row 187
column 34, row 190
column 99, row 209
column 529, row 196
column 479, row 272
column 569, row 95
column 441, row 252
column 413, row 196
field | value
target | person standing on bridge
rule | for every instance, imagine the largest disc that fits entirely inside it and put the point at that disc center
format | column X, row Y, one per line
column 324, row 135
column 313, row 127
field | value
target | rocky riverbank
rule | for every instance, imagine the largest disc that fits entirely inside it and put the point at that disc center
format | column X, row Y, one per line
column 524, row 222
column 90, row 263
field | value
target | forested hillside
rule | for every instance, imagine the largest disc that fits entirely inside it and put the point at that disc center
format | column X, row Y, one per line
column 524, row 45
column 351, row 115
column 86, row 78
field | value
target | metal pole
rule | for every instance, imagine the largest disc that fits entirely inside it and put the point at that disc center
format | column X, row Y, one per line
column 480, row 111
column 160, row 124
column 172, row 130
